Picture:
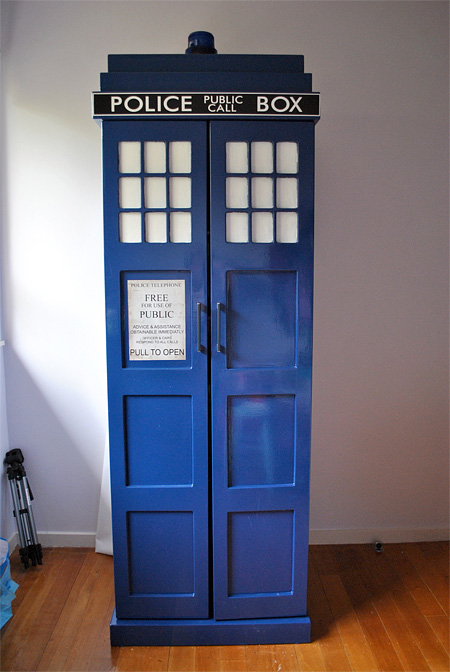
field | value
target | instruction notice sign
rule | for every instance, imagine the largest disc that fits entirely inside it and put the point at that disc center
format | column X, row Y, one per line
column 156, row 320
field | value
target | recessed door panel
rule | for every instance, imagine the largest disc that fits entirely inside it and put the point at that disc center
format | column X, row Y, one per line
column 256, row 538
column 261, row 319
column 166, row 540
column 261, row 440
column 158, row 440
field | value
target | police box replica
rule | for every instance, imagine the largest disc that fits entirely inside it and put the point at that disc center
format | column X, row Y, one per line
column 208, row 164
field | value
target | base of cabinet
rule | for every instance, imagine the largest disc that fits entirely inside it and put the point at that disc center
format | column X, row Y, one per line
column 203, row 632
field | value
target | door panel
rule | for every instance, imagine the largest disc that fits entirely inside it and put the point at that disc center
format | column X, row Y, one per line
column 258, row 454
column 164, row 539
column 158, row 452
column 261, row 285
column 261, row 319
column 155, row 218
column 255, row 539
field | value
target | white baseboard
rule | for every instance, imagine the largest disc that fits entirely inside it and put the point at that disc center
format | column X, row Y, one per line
column 57, row 539
column 387, row 536
column 13, row 541
column 54, row 539
column 316, row 537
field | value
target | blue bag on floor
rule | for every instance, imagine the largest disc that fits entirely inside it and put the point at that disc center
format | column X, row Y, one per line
column 8, row 587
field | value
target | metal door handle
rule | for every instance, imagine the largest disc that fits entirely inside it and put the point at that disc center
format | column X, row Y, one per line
column 199, row 327
column 219, row 325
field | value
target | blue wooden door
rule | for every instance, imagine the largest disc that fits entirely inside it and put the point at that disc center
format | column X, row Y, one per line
column 261, row 295
column 156, row 296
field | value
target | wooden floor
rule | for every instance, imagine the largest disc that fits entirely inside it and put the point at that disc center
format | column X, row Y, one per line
column 370, row 611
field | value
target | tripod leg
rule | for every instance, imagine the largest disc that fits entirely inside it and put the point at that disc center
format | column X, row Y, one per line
column 30, row 511
column 22, row 496
column 34, row 548
column 17, row 509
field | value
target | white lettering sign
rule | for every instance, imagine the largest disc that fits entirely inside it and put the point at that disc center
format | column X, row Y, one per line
column 206, row 104
column 156, row 320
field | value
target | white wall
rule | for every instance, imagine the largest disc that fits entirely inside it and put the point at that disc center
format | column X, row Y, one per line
column 7, row 523
column 380, row 431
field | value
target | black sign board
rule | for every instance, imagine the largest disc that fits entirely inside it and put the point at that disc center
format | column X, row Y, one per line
column 201, row 104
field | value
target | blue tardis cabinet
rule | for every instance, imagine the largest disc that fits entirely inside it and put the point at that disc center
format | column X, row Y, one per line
column 208, row 167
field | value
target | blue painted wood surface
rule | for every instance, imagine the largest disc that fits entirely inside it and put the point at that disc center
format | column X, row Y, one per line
column 158, row 410
column 261, row 394
column 210, row 454
column 149, row 632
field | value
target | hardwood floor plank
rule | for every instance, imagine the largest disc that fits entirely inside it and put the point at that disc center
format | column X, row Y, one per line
column 324, row 627
column 95, row 617
column 44, row 604
column 285, row 658
column 105, row 656
column 369, row 612
column 181, row 659
column 31, row 582
column 323, row 559
column 309, row 657
column 58, row 647
column 271, row 658
column 377, row 576
column 440, row 625
column 207, row 659
column 437, row 555
column 102, row 610
column 361, row 598
column 401, row 564
column 355, row 643
column 24, row 577
column 258, row 659
column 432, row 650
column 10, row 634
column 442, row 550
column 143, row 659
column 431, row 573
column 232, row 659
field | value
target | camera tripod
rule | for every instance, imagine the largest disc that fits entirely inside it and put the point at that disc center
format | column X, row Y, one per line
column 22, row 496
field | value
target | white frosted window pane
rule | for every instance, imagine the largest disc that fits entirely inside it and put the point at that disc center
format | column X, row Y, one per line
column 287, row 229
column 129, row 157
column 155, row 157
column 155, row 192
column 129, row 192
column 262, row 157
column 287, row 196
column 130, row 227
column 237, row 192
column 180, row 192
column 287, row 157
column 237, row 157
column 262, row 227
column 180, row 227
column 237, row 227
column 180, row 157
column 155, row 227
column 262, row 192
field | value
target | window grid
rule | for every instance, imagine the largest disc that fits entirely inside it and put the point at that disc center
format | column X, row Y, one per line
column 156, row 188
column 264, row 166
